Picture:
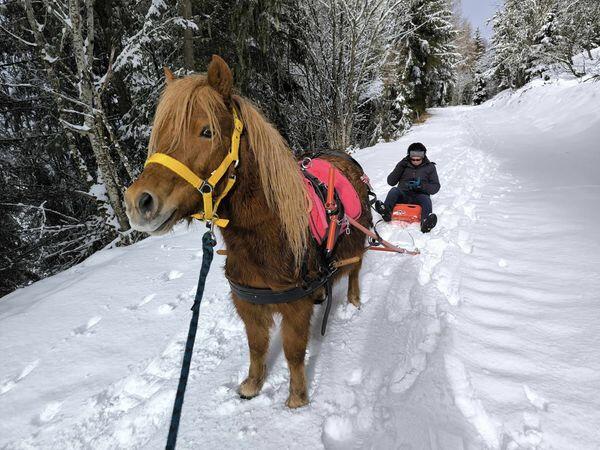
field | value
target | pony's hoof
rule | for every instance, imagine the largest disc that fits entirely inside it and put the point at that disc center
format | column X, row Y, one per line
column 248, row 389
column 296, row 401
column 355, row 300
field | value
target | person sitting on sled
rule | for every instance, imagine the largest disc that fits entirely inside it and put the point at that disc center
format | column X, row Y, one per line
column 415, row 180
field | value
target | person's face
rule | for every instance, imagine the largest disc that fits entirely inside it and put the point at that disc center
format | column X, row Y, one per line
column 416, row 160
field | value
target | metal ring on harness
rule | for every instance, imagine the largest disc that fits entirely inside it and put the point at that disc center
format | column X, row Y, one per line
column 205, row 188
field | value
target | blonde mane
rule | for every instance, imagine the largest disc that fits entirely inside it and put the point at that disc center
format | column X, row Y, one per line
column 280, row 178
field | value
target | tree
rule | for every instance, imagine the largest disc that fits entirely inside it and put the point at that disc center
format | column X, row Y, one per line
column 480, row 93
column 62, row 139
column 532, row 36
column 344, row 53
column 430, row 55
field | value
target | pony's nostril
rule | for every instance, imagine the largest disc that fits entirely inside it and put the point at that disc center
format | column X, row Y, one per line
column 146, row 203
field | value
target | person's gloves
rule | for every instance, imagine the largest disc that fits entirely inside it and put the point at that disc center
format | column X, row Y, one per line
column 414, row 184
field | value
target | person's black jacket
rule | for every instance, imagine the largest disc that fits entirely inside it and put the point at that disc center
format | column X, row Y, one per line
column 405, row 172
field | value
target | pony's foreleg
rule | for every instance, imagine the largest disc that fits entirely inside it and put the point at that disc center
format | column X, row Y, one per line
column 257, row 320
column 295, row 328
column 353, row 284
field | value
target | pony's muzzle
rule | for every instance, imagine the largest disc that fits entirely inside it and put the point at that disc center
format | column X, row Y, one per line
column 145, row 212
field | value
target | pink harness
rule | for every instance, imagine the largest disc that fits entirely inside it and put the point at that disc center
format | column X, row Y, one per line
column 319, row 168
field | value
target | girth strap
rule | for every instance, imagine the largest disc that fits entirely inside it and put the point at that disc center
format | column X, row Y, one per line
column 270, row 297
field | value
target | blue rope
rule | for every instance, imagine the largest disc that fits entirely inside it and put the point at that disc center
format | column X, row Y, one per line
column 208, row 242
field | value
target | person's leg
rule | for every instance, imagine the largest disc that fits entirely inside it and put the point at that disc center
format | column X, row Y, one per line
column 396, row 195
column 428, row 219
column 424, row 201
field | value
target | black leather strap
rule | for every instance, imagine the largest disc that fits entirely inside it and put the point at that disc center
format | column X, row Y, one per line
column 270, row 297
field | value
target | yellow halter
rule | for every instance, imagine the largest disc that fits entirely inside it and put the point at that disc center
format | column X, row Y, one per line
column 207, row 187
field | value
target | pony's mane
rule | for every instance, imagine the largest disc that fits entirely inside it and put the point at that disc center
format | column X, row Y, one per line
column 280, row 178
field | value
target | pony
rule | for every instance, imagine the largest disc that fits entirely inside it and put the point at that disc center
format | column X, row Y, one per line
column 267, row 238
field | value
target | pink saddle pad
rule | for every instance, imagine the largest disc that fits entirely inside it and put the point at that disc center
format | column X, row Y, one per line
column 319, row 168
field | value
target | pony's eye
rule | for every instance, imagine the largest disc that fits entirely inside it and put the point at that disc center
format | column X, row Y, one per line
column 206, row 133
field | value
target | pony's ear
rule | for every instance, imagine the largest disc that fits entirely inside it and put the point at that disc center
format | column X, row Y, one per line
column 169, row 77
column 220, row 77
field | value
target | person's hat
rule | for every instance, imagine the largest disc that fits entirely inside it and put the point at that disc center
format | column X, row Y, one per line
column 416, row 150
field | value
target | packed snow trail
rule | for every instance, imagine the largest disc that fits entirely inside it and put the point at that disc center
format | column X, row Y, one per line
column 487, row 340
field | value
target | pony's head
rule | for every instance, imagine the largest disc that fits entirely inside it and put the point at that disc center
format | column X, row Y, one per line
column 193, row 124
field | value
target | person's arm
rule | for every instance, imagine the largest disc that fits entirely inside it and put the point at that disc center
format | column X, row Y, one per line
column 432, row 184
column 396, row 174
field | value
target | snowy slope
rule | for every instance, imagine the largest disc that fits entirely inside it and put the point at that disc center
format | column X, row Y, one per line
column 489, row 339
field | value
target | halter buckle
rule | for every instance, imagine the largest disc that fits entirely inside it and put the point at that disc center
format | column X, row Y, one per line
column 210, row 224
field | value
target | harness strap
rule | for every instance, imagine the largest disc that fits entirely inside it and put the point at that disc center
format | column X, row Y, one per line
column 175, row 166
column 328, row 298
column 270, row 297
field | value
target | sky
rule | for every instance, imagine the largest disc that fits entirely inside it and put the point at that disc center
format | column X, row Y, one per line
column 478, row 12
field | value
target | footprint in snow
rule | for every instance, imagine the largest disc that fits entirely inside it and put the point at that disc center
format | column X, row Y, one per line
column 464, row 241
column 145, row 300
column 165, row 309
column 49, row 413
column 249, row 430
column 85, row 328
column 337, row 429
column 173, row 275
column 535, row 399
column 10, row 384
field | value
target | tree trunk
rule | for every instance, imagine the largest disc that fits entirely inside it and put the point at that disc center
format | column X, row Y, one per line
column 107, row 175
column 82, row 169
column 93, row 120
column 188, row 36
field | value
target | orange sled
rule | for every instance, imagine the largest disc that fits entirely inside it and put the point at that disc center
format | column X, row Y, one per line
column 407, row 213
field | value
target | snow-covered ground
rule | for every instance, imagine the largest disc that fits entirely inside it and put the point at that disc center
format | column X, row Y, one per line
column 489, row 339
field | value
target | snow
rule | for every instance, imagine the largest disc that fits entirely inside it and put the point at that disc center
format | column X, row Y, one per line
column 156, row 8
column 47, row 57
column 582, row 64
column 488, row 339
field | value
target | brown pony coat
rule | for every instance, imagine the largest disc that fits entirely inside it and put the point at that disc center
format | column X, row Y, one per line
column 268, row 234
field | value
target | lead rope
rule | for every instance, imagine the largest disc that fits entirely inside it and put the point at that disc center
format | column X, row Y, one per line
column 208, row 242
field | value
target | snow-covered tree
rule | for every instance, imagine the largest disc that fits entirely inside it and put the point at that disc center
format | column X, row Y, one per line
column 63, row 151
column 423, row 55
column 345, row 48
column 480, row 93
column 533, row 35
